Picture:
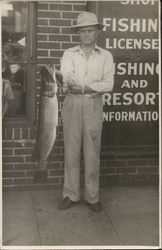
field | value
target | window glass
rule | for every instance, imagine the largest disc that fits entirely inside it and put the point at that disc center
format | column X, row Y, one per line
column 14, row 21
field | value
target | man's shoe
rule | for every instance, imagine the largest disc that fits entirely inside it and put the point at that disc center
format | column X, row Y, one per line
column 66, row 203
column 96, row 207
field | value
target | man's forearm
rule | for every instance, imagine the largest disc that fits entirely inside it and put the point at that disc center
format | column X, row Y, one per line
column 78, row 89
column 88, row 90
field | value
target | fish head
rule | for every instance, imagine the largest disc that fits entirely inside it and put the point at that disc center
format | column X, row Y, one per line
column 48, row 80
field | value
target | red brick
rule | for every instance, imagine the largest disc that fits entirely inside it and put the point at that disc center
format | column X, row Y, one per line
column 13, row 174
column 42, row 53
column 102, row 179
column 60, row 22
column 48, row 30
column 104, row 171
column 62, row 151
column 48, row 60
column 149, row 155
column 11, row 144
column 115, row 163
column 137, row 163
column 47, row 14
column 3, row 133
column 18, row 133
column 25, row 166
column 6, row 151
column 56, row 53
column 55, row 150
column 25, row 133
column 61, row 179
column 29, row 173
column 79, row 7
column 67, row 30
column 59, row 135
column 108, row 156
column 28, row 159
column 13, row 159
column 75, row 39
column 56, row 158
column 55, row 165
column 23, row 181
column 8, row 166
column 59, row 38
column 9, row 133
column 132, row 170
column 33, row 133
column 24, row 151
column 146, row 170
column 153, row 178
column 42, row 6
column 138, row 178
column 7, row 182
column 41, row 37
column 60, row 129
column 115, row 179
column 54, row 180
column 68, row 45
column 29, row 143
column 154, row 162
column 48, row 45
column 60, row 7
column 70, row 15
column 74, row 22
column 42, row 22
column 56, row 172
column 126, row 170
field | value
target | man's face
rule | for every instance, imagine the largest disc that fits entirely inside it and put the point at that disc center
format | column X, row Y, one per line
column 88, row 35
column 14, row 68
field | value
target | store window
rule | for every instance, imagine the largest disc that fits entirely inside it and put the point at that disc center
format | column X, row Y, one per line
column 18, row 75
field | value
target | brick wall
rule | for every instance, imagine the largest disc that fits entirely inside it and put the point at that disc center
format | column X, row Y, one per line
column 119, row 165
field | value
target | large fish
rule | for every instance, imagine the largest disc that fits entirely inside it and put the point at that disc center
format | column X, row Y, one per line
column 47, row 121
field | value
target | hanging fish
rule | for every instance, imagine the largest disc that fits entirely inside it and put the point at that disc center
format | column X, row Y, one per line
column 47, row 121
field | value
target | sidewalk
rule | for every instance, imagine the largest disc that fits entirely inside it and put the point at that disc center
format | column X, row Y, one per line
column 129, row 217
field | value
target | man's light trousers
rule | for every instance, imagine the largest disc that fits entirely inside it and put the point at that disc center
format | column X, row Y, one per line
column 82, row 125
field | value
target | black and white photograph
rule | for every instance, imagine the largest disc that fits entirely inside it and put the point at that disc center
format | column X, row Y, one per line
column 80, row 124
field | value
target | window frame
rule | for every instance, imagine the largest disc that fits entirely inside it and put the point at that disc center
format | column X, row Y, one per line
column 31, row 67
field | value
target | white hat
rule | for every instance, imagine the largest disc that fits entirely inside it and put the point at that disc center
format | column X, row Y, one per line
column 87, row 19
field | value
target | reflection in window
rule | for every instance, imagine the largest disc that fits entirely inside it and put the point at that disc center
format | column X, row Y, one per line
column 14, row 58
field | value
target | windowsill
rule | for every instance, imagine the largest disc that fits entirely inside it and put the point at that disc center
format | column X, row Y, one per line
column 16, row 122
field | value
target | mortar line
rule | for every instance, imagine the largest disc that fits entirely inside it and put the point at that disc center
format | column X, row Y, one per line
column 36, row 217
column 108, row 220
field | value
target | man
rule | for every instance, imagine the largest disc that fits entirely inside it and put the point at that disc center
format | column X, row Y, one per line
column 87, row 72
column 7, row 92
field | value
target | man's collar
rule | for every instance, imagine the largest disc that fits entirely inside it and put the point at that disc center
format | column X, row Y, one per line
column 78, row 48
column 97, row 47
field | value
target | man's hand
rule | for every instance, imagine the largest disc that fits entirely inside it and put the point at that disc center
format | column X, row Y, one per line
column 70, row 83
column 59, row 76
column 76, row 89
column 50, row 93
column 69, row 80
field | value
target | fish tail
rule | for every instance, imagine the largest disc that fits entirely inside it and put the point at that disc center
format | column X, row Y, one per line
column 35, row 154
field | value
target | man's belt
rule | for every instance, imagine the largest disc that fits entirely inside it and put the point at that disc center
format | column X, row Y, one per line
column 92, row 95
